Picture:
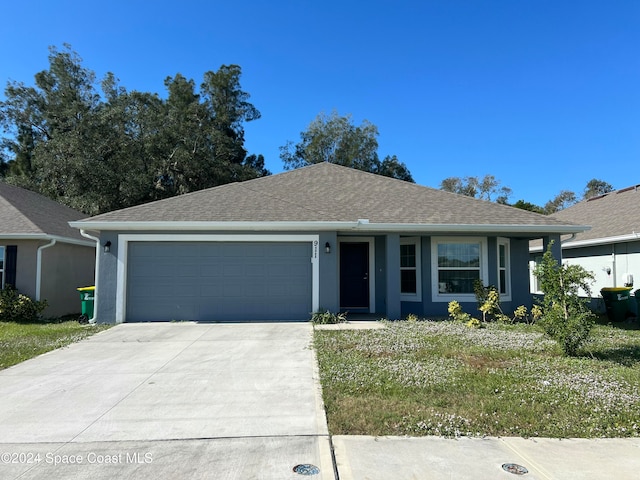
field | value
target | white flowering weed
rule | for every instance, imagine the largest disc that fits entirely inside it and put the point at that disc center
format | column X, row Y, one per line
column 443, row 378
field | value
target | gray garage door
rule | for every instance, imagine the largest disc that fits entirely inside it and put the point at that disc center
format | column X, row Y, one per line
column 218, row 281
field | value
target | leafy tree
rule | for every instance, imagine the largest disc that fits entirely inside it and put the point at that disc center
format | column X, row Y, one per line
column 485, row 188
column 101, row 150
column 336, row 139
column 256, row 163
column 4, row 166
column 460, row 186
column 565, row 316
column 564, row 199
column 596, row 187
column 135, row 130
column 228, row 108
column 55, row 129
column 394, row 168
column 521, row 204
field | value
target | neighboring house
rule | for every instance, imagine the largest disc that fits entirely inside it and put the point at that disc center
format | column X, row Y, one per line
column 319, row 237
column 611, row 248
column 40, row 254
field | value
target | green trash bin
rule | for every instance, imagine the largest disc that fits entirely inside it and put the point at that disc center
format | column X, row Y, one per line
column 616, row 300
column 637, row 295
column 87, row 297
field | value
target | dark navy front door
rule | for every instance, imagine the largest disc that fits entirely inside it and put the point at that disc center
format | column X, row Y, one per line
column 354, row 275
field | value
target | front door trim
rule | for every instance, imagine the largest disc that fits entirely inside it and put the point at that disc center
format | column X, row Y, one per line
column 372, row 266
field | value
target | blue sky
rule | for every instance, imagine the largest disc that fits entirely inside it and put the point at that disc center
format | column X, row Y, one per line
column 543, row 94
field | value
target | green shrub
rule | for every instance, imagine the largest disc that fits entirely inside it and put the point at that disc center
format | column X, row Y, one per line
column 325, row 317
column 566, row 316
column 16, row 307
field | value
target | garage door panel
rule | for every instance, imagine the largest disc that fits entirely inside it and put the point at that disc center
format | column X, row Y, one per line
column 156, row 292
column 218, row 281
column 256, row 270
column 210, row 270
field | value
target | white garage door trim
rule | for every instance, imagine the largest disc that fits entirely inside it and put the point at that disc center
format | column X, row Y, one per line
column 123, row 248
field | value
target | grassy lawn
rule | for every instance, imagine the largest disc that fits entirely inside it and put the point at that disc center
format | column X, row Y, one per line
column 19, row 342
column 444, row 378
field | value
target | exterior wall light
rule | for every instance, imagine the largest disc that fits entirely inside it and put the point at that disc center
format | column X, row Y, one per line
column 107, row 246
column 327, row 247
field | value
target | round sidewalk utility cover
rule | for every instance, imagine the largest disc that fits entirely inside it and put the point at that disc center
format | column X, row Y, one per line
column 306, row 469
column 514, row 468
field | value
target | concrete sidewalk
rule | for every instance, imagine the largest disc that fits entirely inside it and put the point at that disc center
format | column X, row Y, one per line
column 435, row 458
column 173, row 400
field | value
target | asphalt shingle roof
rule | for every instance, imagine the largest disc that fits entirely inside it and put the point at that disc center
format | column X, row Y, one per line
column 328, row 193
column 611, row 215
column 23, row 212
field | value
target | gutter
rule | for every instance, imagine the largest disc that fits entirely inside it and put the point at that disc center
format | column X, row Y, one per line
column 599, row 241
column 44, row 236
column 359, row 225
column 39, row 266
column 95, row 293
column 569, row 243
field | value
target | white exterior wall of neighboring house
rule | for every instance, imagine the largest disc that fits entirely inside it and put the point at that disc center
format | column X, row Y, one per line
column 611, row 264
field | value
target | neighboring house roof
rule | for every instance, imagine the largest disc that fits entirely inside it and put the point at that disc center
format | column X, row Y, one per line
column 326, row 196
column 614, row 217
column 28, row 215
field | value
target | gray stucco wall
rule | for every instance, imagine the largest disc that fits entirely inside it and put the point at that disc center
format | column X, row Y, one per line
column 381, row 276
column 387, row 276
column 520, row 276
column 329, row 272
column 392, row 260
column 106, row 287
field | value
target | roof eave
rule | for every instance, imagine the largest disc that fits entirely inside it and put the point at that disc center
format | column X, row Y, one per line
column 602, row 241
column 45, row 237
column 630, row 237
column 475, row 228
column 359, row 225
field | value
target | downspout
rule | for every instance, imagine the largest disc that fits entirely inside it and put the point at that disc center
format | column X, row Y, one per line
column 614, row 262
column 95, row 293
column 571, row 238
column 39, row 267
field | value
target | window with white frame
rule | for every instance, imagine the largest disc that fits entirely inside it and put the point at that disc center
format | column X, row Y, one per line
column 504, row 276
column 410, row 282
column 457, row 263
column 533, row 280
column 1, row 267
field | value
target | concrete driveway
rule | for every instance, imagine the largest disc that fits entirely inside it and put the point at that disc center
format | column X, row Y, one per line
column 170, row 400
